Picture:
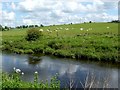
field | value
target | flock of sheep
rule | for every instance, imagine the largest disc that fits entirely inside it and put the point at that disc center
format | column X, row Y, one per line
column 57, row 29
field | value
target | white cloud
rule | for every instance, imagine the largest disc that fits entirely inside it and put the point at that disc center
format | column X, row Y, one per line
column 100, row 17
column 8, row 16
column 13, row 6
column 66, row 6
column 0, row 11
column 61, row 11
column 35, row 5
column 30, row 22
column 27, row 21
column 27, row 5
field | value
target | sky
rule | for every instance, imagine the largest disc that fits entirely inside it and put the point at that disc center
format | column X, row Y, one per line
column 49, row 12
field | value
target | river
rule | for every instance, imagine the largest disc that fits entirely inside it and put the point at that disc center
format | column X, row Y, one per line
column 69, row 71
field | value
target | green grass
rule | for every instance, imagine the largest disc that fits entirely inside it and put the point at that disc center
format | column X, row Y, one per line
column 100, row 43
column 14, row 81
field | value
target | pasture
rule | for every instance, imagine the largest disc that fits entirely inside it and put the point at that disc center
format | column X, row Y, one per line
column 91, row 41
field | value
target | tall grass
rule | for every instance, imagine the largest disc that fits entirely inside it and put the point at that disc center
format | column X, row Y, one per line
column 89, row 82
column 14, row 81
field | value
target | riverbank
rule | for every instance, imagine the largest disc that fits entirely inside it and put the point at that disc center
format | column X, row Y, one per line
column 14, row 81
column 99, row 44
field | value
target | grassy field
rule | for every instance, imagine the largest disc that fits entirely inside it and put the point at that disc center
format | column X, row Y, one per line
column 90, row 41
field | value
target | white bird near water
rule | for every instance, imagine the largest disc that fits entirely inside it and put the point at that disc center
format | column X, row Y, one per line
column 17, row 70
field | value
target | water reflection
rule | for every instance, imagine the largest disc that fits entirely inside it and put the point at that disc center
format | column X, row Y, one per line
column 68, row 70
column 34, row 60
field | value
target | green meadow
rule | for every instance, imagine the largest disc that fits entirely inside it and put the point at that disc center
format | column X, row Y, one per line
column 86, row 41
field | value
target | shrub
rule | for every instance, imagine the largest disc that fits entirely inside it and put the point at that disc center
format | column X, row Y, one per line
column 29, row 51
column 49, row 50
column 33, row 34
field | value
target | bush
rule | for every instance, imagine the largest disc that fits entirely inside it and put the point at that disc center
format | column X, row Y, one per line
column 33, row 34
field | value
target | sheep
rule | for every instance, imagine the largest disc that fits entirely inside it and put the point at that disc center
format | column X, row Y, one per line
column 61, row 28
column 48, row 30
column 41, row 30
column 81, row 29
column 67, row 28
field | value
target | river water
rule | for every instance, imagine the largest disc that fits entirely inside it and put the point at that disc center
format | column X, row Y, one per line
column 70, row 72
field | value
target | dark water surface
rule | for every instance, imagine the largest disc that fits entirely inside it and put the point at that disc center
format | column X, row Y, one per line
column 69, row 71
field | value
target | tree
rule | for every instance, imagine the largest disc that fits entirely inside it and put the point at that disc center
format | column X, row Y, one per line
column 1, row 28
column 90, row 21
column 6, row 28
column 31, row 25
column 36, row 25
column 41, row 25
column 115, row 21
column 24, row 26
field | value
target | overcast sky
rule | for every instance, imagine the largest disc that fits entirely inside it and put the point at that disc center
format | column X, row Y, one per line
column 48, row 12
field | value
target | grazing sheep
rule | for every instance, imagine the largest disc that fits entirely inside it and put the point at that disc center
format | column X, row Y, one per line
column 67, row 28
column 57, row 28
column 81, row 29
column 48, row 30
column 90, row 28
column 41, row 30
column 61, row 28
column 108, row 27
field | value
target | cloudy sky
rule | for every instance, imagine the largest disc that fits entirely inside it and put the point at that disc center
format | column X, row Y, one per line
column 48, row 12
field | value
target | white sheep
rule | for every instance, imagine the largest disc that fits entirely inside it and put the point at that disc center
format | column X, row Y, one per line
column 67, row 28
column 48, row 30
column 90, row 29
column 81, row 29
column 61, row 28
column 41, row 30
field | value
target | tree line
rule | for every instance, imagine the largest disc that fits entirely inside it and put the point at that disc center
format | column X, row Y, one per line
column 115, row 21
column 6, row 28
